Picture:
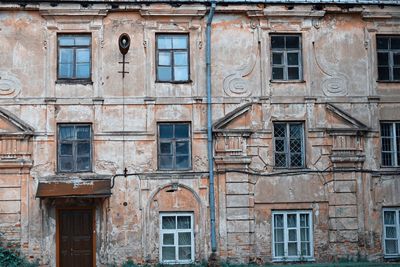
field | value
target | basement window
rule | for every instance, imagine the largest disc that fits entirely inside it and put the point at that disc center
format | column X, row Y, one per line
column 289, row 144
column 391, row 232
column 292, row 235
column 176, row 238
column 286, row 57
column 388, row 48
column 390, row 144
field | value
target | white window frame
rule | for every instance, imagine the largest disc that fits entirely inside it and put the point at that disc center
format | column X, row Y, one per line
column 393, row 139
column 175, row 232
column 397, row 225
column 298, row 257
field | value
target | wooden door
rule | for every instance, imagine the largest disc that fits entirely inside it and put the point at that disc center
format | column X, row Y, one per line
column 75, row 230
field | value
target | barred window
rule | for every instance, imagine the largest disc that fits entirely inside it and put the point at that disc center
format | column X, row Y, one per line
column 292, row 235
column 74, row 57
column 390, row 144
column 289, row 144
column 174, row 148
column 391, row 232
column 286, row 57
column 74, row 148
column 388, row 48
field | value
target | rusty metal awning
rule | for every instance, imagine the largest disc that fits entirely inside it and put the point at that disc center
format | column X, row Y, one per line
column 80, row 188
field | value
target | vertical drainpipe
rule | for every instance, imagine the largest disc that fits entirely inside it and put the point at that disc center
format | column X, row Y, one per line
column 209, row 129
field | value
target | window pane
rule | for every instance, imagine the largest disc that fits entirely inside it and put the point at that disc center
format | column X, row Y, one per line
column 164, row 73
column 164, row 58
column 166, row 148
column 292, row 249
column 185, row 253
column 184, row 239
column 66, row 132
column 166, row 130
column 66, row 55
column 278, row 220
column 66, row 40
column 395, row 43
column 168, row 253
column 386, row 144
column 83, row 70
column 383, row 73
column 383, row 59
column 303, row 220
column 291, row 220
column 389, row 217
column 296, row 131
column 295, row 146
column 292, row 42
column 181, row 130
column 293, row 58
column 83, row 149
column 293, row 73
column 279, row 130
column 168, row 222
column 277, row 73
column 66, row 149
column 182, row 162
column 396, row 74
column 280, row 160
column 164, row 42
column 180, row 59
column 277, row 58
column 391, row 246
column 304, row 234
column 83, row 164
column 277, row 41
column 65, row 163
column 387, row 159
column 305, row 249
column 386, row 129
column 179, row 42
column 82, row 40
column 184, row 222
column 83, row 132
column 396, row 59
column 279, row 250
column 181, row 73
column 182, row 148
column 82, row 55
column 168, row 239
column 278, row 235
column 292, row 235
column 166, row 162
column 65, row 70
column 391, row 232
column 279, row 145
column 382, row 43
column 296, row 160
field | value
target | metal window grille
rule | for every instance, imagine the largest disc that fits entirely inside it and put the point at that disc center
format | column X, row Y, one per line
column 74, row 57
column 174, row 146
column 390, row 144
column 388, row 48
column 74, row 148
column 391, row 232
column 176, row 238
column 172, row 57
column 292, row 235
column 286, row 57
column 289, row 145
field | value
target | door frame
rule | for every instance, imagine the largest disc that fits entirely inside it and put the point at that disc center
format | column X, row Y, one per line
column 58, row 211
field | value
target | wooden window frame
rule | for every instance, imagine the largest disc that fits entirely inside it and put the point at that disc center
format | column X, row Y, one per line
column 174, row 140
column 171, row 51
column 73, row 78
column 298, row 257
column 176, row 231
column 396, row 210
column 74, row 142
column 391, row 53
column 287, row 144
column 394, row 149
column 285, row 64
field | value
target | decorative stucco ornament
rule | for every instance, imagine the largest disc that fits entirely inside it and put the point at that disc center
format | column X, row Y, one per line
column 10, row 86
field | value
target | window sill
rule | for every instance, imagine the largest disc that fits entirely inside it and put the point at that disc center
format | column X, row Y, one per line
column 73, row 81
column 175, row 82
column 391, row 257
column 297, row 259
column 287, row 81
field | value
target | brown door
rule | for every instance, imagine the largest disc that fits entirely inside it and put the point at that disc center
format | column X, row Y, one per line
column 75, row 238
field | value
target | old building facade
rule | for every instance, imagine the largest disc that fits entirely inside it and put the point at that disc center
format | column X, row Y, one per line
column 105, row 130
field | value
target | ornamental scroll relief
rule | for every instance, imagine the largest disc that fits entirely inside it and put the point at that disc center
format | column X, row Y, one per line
column 236, row 84
column 335, row 84
column 10, row 86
